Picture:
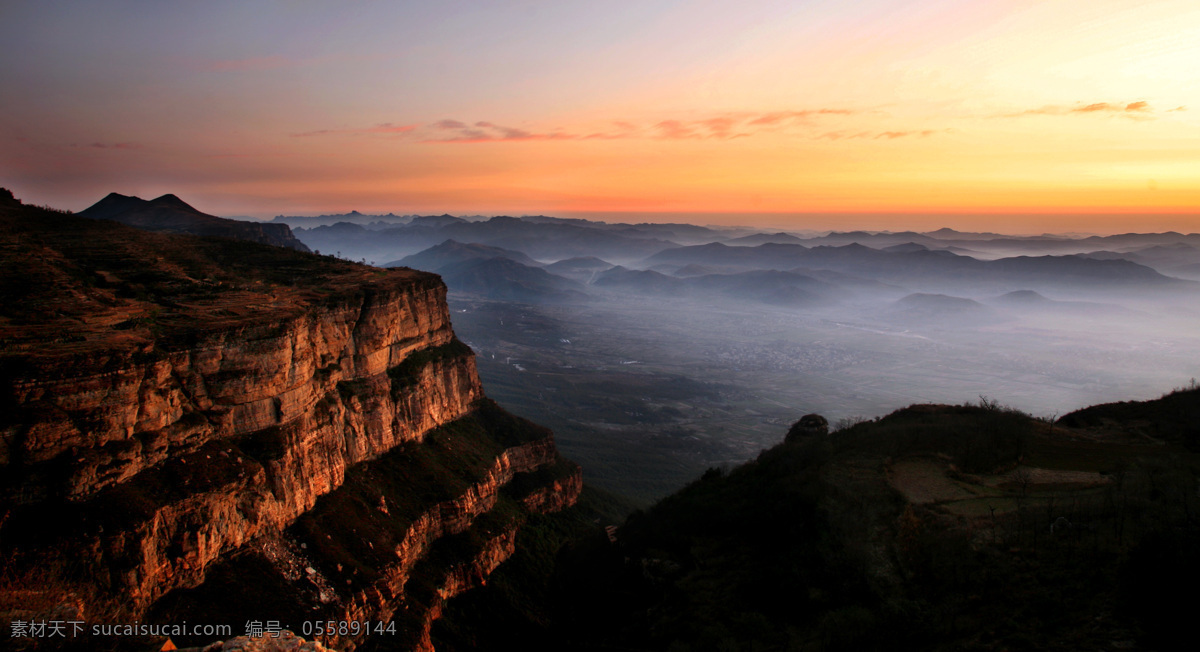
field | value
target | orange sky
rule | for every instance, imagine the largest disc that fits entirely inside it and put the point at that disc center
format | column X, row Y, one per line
column 874, row 114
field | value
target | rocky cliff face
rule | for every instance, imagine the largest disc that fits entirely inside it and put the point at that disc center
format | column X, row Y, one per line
column 328, row 431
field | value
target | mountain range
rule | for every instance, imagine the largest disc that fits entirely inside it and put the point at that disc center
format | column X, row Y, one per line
column 226, row 431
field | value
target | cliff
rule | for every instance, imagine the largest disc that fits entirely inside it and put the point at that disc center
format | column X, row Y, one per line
column 187, row 407
column 170, row 214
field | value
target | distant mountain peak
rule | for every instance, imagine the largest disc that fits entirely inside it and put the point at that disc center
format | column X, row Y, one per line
column 172, row 201
column 168, row 213
column 905, row 248
column 1023, row 296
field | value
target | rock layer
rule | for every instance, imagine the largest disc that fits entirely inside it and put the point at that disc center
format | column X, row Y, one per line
column 224, row 418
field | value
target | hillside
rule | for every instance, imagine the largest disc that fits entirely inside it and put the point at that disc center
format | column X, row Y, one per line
column 450, row 252
column 936, row 528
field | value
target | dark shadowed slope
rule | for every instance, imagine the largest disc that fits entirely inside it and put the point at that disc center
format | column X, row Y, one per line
column 937, row 527
column 507, row 280
column 170, row 214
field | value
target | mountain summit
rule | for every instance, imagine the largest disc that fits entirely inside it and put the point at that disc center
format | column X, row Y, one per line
column 170, row 214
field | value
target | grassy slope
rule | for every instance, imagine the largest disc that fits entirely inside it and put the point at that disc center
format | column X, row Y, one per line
column 70, row 285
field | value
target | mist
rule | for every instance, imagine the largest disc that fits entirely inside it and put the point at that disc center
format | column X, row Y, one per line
column 658, row 351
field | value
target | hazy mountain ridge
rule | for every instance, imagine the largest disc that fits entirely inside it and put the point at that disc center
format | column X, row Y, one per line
column 827, row 321
column 353, row 217
column 552, row 241
column 644, row 245
column 452, row 252
column 508, row 280
column 923, row 267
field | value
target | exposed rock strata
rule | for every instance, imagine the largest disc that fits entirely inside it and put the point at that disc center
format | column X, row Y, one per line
column 368, row 552
column 171, row 449
column 123, row 412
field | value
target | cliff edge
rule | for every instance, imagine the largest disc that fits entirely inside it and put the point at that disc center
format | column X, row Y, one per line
column 178, row 410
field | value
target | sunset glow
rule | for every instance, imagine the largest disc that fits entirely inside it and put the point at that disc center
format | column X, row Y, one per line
column 815, row 114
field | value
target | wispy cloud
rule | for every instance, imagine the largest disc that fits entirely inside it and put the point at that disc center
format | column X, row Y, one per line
column 675, row 130
column 383, row 129
column 880, row 135
column 99, row 145
column 784, row 117
column 453, row 131
column 892, row 135
column 1137, row 110
column 726, row 126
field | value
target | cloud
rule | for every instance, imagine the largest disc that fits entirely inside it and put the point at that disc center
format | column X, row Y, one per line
column 879, row 135
column 723, row 128
column 892, row 135
column 742, row 125
column 779, row 117
column 843, row 135
column 385, row 128
column 727, row 126
column 1138, row 110
column 441, row 131
column 675, row 130
column 389, row 128
column 99, row 145
column 485, row 132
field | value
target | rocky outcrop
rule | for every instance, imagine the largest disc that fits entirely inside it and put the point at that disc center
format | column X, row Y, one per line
column 809, row 425
column 277, row 429
column 373, row 551
column 323, row 372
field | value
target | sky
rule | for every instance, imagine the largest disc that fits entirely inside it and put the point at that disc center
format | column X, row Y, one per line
column 1017, row 115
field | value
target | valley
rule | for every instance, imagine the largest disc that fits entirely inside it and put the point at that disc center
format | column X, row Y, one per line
column 219, row 418
column 647, row 394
